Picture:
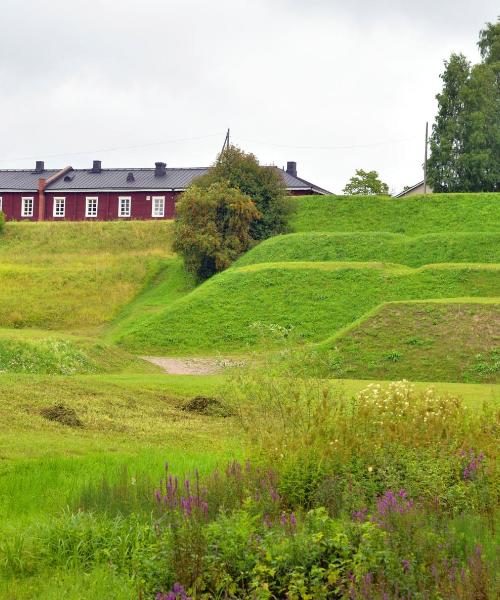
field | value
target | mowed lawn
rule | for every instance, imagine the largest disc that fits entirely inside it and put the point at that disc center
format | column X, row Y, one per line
column 412, row 251
column 248, row 308
column 411, row 215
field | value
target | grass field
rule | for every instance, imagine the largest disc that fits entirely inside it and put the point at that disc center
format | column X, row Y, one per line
column 312, row 300
column 134, row 420
column 76, row 275
column 412, row 215
column 448, row 341
column 381, row 247
column 365, row 290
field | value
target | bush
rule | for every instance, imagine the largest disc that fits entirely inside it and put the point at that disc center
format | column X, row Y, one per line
column 263, row 185
column 213, row 228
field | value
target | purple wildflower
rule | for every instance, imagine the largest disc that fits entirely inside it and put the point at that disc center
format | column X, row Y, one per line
column 405, row 563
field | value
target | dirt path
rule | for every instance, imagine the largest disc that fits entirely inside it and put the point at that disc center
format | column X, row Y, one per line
column 191, row 366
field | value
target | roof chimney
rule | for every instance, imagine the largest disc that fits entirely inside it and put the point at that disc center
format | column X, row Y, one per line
column 160, row 169
column 130, row 177
column 291, row 168
column 39, row 166
column 96, row 166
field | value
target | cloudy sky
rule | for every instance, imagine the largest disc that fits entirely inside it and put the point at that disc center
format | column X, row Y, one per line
column 331, row 84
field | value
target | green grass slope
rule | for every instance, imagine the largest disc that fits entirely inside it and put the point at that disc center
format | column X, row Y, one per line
column 47, row 353
column 244, row 308
column 171, row 283
column 457, row 341
column 385, row 247
column 76, row 275
column 413, row 215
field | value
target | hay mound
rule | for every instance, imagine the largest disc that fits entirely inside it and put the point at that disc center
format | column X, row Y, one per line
column 62, row 414
column 206, row 405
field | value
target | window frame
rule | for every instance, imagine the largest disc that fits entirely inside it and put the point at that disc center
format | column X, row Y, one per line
column 31, row 199
column 88, row 200
column 153, row 199
column 1, row 203
column 121, row 214
column 55, row 201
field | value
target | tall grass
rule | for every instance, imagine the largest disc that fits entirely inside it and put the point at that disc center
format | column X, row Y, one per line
column 74, row 275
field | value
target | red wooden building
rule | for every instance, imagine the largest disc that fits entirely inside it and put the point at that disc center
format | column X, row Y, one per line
column 107, row 194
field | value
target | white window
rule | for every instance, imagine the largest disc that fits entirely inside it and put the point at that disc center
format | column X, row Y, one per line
column 1, row 203
column 91, row 206
column 124, row 206
column 158, row 206
column 59, row 207
column 27, row 207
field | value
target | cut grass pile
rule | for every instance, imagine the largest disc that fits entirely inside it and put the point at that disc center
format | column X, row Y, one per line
column 49, row 353
column 254, row 307
column 454, row 341
column 413, row 215
column 76, row 275
column 416, row 251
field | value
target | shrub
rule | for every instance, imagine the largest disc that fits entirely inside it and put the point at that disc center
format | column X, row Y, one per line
column 213, row 228
column 263, row 185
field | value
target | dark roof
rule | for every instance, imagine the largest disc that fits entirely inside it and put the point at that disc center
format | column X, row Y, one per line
column 409, row 189
column 23, row 180
column 297, row 183
column 119, row 180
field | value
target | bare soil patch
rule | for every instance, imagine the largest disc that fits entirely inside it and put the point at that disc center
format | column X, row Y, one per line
column 191, row 366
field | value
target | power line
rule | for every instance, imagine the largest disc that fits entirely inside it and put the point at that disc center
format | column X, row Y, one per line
column 115, row 149
column 348, row 147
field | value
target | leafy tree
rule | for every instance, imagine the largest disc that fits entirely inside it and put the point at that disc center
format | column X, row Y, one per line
column 264, row 185
column 365, row 183
column 465, row 140
column 212, row 227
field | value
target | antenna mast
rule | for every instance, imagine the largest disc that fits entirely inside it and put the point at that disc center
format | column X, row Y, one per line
column 226, row 142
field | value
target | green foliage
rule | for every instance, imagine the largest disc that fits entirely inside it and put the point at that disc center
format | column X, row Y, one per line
column 212, row 228
column 45, row 356
column 465, row 141
column 366, row 183
column 263, row 185
column 2, row 222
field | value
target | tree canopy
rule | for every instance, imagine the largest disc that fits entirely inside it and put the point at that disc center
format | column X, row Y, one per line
column 212, row 227
column 365, row 183
column 465, row 140
column 264, row 185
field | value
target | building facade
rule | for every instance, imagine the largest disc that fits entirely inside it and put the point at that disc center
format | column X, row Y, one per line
column 107, row 194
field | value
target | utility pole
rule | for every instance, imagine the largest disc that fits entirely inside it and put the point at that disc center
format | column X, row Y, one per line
column 226, row 142
column 425, row 158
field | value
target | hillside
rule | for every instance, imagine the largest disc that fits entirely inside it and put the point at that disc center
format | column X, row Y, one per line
column 384, row 247
column 239, row 309
column 348, row 256
column 76, row 275
column 438, row 341
column 413, row 215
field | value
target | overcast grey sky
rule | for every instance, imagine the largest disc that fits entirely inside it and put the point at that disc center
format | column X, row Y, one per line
column 334, row 85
